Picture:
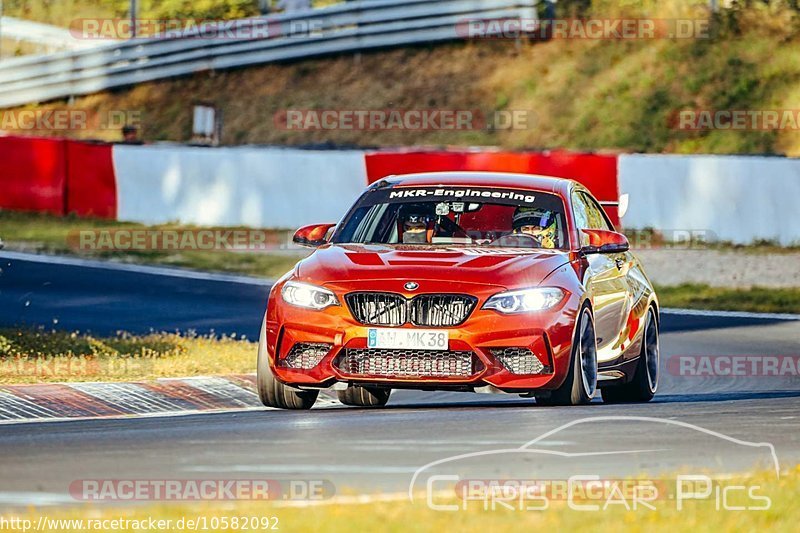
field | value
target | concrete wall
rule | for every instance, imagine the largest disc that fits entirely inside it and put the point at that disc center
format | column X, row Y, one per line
column 259, row 187
column 736, row 198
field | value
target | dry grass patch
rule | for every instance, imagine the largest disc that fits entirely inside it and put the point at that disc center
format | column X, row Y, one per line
column 39, row 356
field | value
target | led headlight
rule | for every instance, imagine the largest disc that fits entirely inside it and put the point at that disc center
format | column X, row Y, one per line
column 308, row 296
column 525, row 300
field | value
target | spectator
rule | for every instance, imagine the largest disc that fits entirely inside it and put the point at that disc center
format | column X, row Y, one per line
column 130, row 134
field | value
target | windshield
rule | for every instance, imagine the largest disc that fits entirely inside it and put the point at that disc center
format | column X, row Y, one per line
column 456, row 216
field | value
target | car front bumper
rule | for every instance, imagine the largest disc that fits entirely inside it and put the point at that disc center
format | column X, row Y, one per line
column 548, row 335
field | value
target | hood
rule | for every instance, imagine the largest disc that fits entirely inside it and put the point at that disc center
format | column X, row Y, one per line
column 500, row 267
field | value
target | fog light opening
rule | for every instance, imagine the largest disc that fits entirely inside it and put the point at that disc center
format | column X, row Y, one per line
column 306, row 355
column 520, row 360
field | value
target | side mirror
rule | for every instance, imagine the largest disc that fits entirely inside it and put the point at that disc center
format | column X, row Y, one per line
column 313, row 235
column 603, row 241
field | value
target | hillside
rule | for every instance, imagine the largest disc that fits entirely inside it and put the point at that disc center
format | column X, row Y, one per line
column 65, row 12
column 577, row 94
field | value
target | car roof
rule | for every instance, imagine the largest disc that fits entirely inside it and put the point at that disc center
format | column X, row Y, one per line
column 483, row 179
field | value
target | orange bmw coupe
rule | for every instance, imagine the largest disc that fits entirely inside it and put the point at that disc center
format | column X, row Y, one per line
column 478, row 282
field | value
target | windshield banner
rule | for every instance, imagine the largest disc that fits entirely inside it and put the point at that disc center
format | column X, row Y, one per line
column 516, row 197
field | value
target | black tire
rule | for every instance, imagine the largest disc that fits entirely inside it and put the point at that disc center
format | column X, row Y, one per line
column 644, row 384
column 272, row 392
column 581, row 382
column 359, row 396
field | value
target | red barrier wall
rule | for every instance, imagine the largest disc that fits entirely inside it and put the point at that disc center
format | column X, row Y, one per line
column 597, row 172
column 382, row 164
column 32, row 174
column 91, row 186
column 57, row 176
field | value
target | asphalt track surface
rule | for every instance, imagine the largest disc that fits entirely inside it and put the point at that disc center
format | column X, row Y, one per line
column 712, row 424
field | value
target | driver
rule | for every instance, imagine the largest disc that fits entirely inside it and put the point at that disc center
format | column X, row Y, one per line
column 415, row 223
column 537, row 223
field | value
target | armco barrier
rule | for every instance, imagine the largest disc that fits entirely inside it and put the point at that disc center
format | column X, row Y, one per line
column 32, row 174
column 740, row 199
column 597, row 172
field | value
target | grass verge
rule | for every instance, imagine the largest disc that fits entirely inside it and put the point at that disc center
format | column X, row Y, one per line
column 755, row 299
column 51, row 356
column 701, row 515
column 44, row 233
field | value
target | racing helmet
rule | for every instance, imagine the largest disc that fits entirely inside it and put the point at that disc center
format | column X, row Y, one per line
column 538, row 223
column 415, row 223
column 532, row 216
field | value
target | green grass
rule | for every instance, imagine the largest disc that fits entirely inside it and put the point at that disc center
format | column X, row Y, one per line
column 36, row 356
column 42, row 233
column 402, row 516
column 756, row 299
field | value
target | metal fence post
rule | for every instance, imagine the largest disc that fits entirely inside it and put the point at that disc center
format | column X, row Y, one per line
column 133, row 18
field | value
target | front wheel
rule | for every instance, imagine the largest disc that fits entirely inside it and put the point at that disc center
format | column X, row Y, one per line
column 359, row 396
column 644, row 384
column 272, row 392
column 581, row 382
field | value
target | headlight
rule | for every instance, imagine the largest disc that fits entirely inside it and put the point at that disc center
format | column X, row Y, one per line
column 308, row 296
column 525, row 300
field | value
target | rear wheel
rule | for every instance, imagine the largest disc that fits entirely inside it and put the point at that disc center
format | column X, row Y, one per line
column 644, row 384
column 359, row 396
column 581, row 382
column 272, row 392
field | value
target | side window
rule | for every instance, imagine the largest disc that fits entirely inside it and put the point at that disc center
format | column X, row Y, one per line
column 588, row 214
column 581, row 217
column 580, row 209
column 594, row 214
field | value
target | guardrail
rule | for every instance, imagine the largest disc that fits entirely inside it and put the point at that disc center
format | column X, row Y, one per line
column 347, row 27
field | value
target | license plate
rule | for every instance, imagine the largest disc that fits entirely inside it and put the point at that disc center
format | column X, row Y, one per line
column 415, row 339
